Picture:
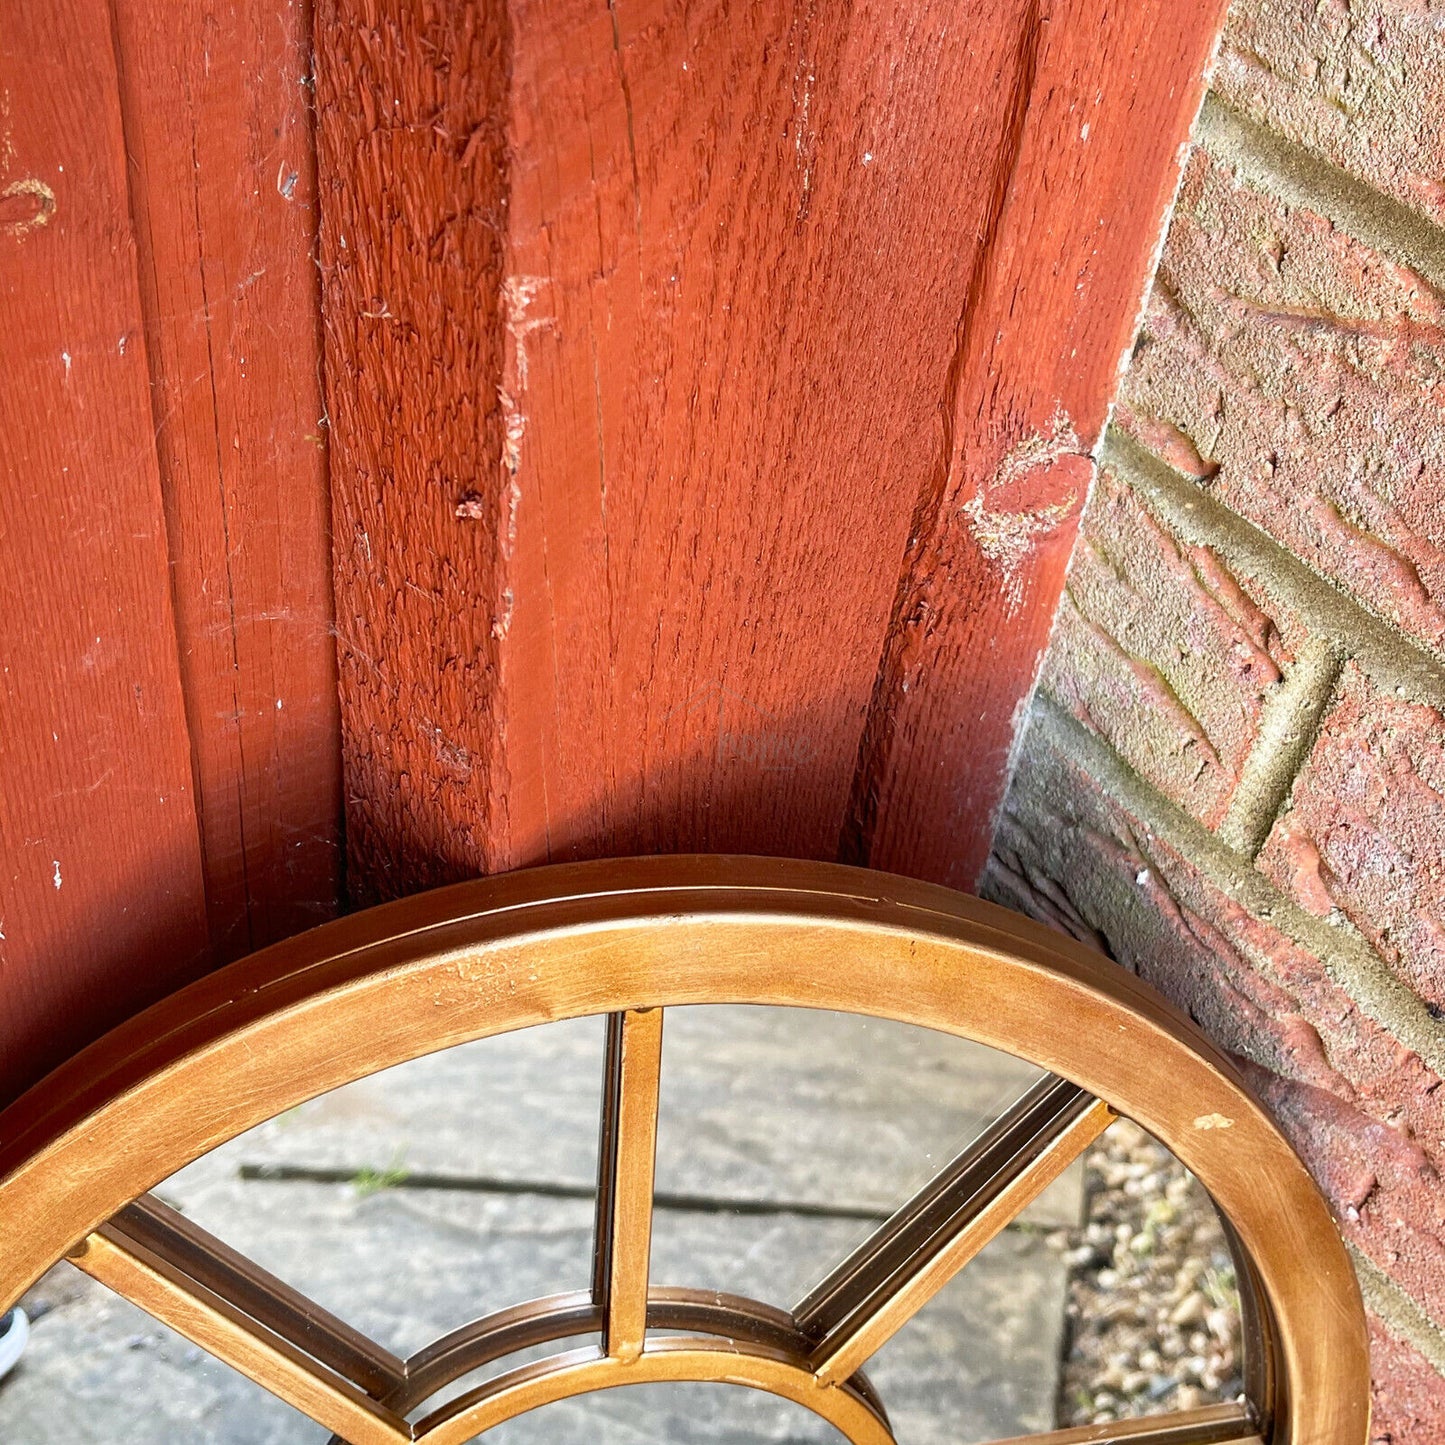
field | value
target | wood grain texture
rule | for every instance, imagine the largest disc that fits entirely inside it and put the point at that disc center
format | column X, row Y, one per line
column 1096, row 133
column 413, row 172
column 741, row 232
column 702, row 378
column 101, row 897
column 219, row 140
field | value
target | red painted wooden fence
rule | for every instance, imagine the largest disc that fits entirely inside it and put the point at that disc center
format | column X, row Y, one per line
column 491, row 433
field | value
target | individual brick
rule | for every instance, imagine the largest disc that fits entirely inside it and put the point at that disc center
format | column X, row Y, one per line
column 1307, row 373
column 1365, row 829
column 1162, row 652
column 1364, row 1111
column 1359, row 82
column 1409, row 1393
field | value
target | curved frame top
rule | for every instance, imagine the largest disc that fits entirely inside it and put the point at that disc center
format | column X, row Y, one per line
column 442, row 968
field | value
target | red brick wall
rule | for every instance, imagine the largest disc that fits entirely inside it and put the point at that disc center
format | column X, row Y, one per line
column 1233, row 778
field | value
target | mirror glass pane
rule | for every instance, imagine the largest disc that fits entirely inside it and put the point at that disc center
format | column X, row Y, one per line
column 413, row 1201
column 787, row 1135
column 98, row 1371
column 1153, row 1315
column 1130, row 1311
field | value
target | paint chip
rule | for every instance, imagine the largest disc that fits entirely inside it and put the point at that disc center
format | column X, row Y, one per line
column 25, row 206
column 1213, row 1121
column 1006, row 536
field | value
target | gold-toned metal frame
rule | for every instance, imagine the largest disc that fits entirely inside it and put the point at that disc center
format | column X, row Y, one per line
column 629, row 940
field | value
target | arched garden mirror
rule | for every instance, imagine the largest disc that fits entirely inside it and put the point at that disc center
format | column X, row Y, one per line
column 631, row 944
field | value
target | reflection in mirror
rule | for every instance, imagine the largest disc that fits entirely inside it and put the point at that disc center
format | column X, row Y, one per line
column 980, row 1361
column 1154, row 1312
column 1130, row 1311
column 99, row 1371
column 787, row 1135
column 410, row 1202
column 415, row 1201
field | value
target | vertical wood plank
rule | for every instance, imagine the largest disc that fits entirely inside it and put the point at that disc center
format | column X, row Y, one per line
column 413, row 165
column 101, row 897
column 705, row 379
column 1110, row 93
column 739, row 238
column 219, row 139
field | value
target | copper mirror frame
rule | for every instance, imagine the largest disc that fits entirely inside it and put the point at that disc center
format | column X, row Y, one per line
column 630, row 939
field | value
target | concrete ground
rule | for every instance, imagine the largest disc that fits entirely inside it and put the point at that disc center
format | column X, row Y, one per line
column 818, row 1123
